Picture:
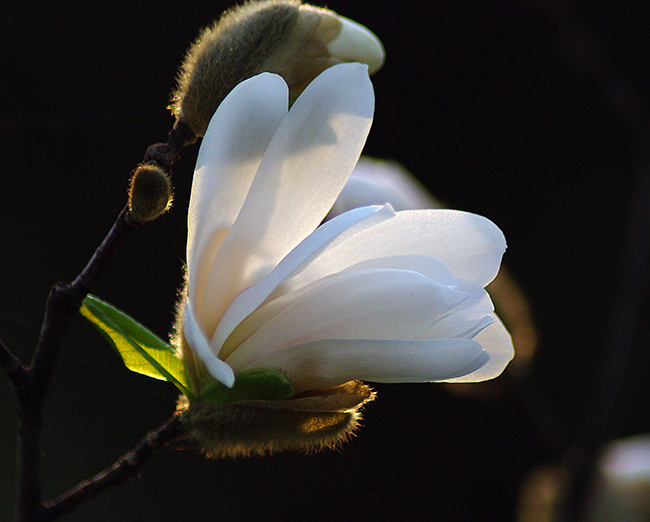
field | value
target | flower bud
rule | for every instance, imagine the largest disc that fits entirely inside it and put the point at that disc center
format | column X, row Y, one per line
column 312, row 421
column 296, row 41
column 150, row 192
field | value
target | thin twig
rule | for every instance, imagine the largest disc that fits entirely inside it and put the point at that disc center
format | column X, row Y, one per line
column 65, row 300
column 126, row 468
column 627, row 309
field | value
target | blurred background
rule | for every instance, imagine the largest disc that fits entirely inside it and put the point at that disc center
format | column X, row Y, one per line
column 530, row 113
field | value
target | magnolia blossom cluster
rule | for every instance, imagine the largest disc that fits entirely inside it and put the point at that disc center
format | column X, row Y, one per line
column 372, row 294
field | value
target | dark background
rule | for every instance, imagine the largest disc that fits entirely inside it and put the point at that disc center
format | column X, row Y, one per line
column 482, row 100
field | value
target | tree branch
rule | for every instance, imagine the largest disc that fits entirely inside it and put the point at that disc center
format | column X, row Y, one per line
column 62, row 303
column 30, row 384
column 65, row 300
column 13, row 367
column 126, row 468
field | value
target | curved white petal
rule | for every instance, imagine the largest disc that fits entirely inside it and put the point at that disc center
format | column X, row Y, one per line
column 329, row 362
column 253, row 296
column 428, row 266
column 304, row 168
column 371, row 295
column 230, row 154
column 468, row 318
column 376, row 182
column 497, row 342
column 356, row 43
column 295, row 281
column 364, row 304
column 266, row 313
column 220, row 370
column 470, row 245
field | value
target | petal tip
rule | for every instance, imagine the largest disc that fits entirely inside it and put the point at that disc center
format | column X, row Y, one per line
column 357, row 43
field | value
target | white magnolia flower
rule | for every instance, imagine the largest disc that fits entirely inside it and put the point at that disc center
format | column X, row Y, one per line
column 371, row 295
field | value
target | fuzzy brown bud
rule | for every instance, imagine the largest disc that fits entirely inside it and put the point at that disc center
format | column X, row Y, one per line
column 150, row 192
column 309, row 422
column 296, row 41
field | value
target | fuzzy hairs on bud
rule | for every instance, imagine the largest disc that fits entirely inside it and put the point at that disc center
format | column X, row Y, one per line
column 285, row 37
column 309, row 422
column 232, row 49
column 150, row 192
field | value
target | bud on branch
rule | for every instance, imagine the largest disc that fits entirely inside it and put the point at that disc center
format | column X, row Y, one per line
column 296, row 41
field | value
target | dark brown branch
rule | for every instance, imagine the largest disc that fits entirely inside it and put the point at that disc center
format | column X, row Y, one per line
column 62, row 303
column 30, row 421
column 31, row 384
column 628, row 307
column 65, row 300
column 13, row 367
column 125, row 469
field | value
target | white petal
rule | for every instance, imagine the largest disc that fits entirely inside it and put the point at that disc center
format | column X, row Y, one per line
column 221, row 371
column 376, row 182
column 356, row 43
column 428, row 266
column 295, row 281
column 497, row 342
column 230, row 154
column 365, row 304
column 264, row 314
column 470, row 245
column 303, row 170
column 468, row 318
column 330, row 362
column 253, row 296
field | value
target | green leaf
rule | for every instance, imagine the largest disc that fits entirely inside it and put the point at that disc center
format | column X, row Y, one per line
column 141, row 350
column 258, row 384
